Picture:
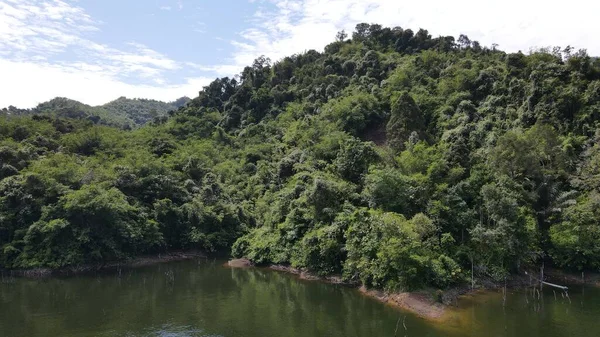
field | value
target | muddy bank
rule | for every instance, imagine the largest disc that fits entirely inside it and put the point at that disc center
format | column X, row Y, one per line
column 141, row 261
column 422, row 304
column 419, row 303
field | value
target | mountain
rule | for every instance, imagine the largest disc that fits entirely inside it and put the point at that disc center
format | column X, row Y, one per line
column 392, row 158
column 122, row 112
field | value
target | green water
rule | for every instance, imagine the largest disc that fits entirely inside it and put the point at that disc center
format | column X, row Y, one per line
column 202, row 298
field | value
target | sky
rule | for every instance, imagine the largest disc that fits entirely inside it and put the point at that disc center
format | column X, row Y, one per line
column 95, row 51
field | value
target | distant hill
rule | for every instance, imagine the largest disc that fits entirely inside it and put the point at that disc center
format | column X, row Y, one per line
column 122, row 112
column 140, row 111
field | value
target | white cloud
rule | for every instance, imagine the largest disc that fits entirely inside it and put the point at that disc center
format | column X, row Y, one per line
column 165, row 8
column 32, row 83
column 35, row 36
column 299, row 25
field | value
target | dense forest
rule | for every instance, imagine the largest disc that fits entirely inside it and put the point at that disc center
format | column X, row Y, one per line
column 392, row 158
column 123, row 112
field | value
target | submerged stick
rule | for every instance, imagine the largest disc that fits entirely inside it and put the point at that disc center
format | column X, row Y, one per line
column 542, row 282
column 555, row 285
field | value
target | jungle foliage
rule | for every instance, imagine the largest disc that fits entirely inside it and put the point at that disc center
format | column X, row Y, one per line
column 392, row 158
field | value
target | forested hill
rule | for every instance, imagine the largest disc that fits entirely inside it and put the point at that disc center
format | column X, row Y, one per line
column 392, row 158
column 122, row 112
column 141, row 111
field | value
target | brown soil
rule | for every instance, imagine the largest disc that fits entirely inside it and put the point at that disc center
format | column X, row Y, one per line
column 418, row 303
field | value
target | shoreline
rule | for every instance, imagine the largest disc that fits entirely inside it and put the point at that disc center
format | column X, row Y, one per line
column 301, row 274
column 419, row 303
column 140, row 261
column 430, row 304
column 423, row 303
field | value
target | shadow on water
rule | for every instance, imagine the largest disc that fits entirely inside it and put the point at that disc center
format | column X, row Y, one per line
column 202, row 298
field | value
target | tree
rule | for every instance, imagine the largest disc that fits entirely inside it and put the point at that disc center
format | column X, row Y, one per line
column 406, row 117
column 341, row 36
column 392, row 191
column 506, row 238
column 576, row 240
column 90, row 225
column 464, row 41
column 354, row 158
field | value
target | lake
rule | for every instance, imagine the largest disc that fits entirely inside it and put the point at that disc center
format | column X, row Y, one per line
column 203, row 298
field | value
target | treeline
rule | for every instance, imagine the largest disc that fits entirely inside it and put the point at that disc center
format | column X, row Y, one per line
column 393, row 158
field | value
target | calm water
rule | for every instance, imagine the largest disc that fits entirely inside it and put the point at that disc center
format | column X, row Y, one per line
column 200, row 298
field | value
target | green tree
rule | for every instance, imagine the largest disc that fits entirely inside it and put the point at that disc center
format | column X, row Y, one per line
column 405, row 118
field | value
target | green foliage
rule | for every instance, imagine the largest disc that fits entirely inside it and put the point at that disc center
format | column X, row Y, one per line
column 387, row 251
column 353, row 113
column 406, row 118
column 92, row 224
column 142, row 111
column 576, row 240
column 393, row 158
column 122, row 112
column 507, row 236
column 354, row 158
column 392, row 191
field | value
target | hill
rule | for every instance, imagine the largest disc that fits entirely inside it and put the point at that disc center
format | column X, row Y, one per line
column 141, row 111
column 122, row 112
column 393, row 158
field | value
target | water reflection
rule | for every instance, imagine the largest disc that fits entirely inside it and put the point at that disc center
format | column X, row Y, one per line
column 200, row 298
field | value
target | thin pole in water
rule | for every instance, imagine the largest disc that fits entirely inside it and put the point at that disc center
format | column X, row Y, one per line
column 542, row 276
column 472, row 279
column 504, row 293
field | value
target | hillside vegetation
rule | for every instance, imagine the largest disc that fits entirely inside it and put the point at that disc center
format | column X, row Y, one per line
column 122, row 112
column 393, row 158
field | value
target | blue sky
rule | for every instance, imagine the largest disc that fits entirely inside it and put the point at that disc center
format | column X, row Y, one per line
column 97, row 50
